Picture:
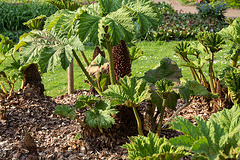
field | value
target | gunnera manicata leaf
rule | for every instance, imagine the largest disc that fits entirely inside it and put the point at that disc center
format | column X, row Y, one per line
column 100, row 115
column 121, row 60
column 152, row 147
column 167, row 69
column 65, row 111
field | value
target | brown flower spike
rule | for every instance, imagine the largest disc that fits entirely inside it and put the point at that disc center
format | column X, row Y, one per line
column 98, row 51
column 121, row 60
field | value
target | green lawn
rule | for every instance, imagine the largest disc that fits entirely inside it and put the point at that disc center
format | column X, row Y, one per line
column 56, row 82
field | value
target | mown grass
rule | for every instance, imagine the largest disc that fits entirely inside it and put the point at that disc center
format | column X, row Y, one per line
column 55, row 83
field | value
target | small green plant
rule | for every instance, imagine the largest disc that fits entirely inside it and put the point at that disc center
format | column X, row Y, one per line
column 209, row 139
column 130, row 93
column 152, row 147
column 65, row 111
column 212, row 43
column 13, row 74
column 65, row 4
column 35, row 23
column 98, row 114
column 164, row 88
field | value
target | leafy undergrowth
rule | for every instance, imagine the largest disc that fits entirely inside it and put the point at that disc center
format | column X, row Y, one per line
column 55, row 137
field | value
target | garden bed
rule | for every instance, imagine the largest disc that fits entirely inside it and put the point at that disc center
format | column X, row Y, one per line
column 54, row 136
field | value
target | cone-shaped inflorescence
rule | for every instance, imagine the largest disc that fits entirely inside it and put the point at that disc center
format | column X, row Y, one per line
column 121, row 60
column 98, row 51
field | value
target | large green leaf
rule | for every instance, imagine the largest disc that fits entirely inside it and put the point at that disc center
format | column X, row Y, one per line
column 167, row 68
column 48, row 50
column 212, row 138
column 229, row 120
column 61, row 23
column 146, row 15
column 120, row 26
column 193, row 88
column 152, row 147
column 232, row 80
column 87, row 26
column 92, row 9
column 108, row 6
column 186, row 127
column 232, row 32
column 131, row 92
column 100, row 115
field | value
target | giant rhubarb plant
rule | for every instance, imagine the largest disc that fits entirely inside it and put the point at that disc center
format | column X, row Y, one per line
column 130, row 93
column 212, row 138
column 212, row 42
column 104, row 23
column 110, row 21
column 97, row 116
column 152, row 147
column 232, row 33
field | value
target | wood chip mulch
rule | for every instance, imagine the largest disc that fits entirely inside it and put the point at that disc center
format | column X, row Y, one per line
column 30, row 130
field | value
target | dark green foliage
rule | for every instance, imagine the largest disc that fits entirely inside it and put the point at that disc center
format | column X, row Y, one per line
column 98, row 51
column 164, row 8
column 121, row 60
column 13, row 16
column 167, row 68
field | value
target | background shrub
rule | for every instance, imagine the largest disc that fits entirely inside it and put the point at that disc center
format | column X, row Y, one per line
column 13, row 16
column 215, row 10
column 178, row 26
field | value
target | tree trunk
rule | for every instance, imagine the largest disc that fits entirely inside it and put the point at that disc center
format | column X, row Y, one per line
column 70, row 79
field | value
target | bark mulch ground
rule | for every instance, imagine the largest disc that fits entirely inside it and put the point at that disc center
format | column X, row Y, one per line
column 31, row 130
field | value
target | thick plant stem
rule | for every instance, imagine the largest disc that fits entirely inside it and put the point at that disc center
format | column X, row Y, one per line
column 234, row 61
column 211, row 75
column 161, row 118
column 84, row 58
column 110, row 60
column 196, row 75
column 3, row 88
column 203, row 77
column 70, row 79
column 86, row 73
column 139, row 123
